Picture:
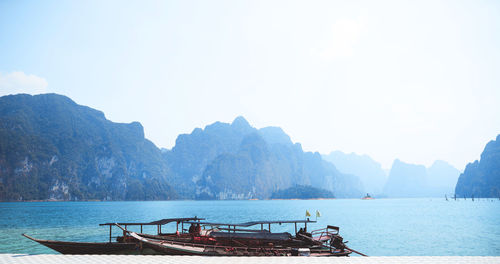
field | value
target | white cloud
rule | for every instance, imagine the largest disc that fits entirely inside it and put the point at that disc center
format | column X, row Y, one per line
column 19, row 82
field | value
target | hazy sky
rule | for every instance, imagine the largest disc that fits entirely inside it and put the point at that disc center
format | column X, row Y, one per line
column 414, row 80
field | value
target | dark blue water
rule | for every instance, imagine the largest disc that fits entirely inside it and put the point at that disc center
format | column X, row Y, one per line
column 381, row 227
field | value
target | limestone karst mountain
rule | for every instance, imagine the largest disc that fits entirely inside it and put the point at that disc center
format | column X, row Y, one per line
column 482, row 178
column 413, row 180
column 53, row 148
column 237, row 161
column 368, row 170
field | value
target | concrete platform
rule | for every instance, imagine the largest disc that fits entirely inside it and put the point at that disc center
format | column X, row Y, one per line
column 81, row 259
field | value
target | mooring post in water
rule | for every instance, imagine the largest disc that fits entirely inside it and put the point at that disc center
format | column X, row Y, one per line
column 446, row 197
column 455, row 197
column 473, row 197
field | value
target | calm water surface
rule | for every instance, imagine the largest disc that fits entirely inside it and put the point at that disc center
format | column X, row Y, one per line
column 381, row 227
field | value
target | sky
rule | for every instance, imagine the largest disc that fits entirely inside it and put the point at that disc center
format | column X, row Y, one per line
column 413, row 80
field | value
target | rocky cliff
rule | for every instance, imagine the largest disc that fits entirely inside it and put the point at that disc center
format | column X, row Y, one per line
column 406, row 180
column 53, row 148
column 482, row 178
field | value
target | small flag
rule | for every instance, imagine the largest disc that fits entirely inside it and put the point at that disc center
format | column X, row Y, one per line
column 307, row 213
column 318, row 214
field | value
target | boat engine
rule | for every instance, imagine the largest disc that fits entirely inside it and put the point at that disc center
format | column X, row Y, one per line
column 337, row 242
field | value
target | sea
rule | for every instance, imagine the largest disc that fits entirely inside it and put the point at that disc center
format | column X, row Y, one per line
column 379, row 227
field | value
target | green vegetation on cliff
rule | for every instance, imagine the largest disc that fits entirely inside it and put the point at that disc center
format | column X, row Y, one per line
column 238, row 161
column 302, row 192
column 52, row 148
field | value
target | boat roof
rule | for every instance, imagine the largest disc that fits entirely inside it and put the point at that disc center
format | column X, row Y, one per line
column 247, row 224
column 162, row 221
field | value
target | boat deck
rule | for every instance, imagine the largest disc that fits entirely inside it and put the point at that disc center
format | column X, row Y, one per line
column 121, row 259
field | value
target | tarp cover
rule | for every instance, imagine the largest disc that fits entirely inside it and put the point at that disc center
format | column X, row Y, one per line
column 259, row 235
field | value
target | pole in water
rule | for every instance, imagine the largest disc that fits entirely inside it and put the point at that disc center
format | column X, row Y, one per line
column 446, row 197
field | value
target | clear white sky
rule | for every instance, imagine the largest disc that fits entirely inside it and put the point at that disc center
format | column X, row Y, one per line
column 414, row 80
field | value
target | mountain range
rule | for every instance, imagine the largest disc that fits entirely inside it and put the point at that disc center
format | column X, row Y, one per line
column 238, row 161
column 53, row 148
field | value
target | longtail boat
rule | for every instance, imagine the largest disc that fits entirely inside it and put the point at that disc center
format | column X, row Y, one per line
column 214, row 239
column 123, row 245
column 222, row 239
column 85, row 248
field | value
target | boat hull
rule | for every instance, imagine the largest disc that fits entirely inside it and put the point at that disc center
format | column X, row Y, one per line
column 97, row 248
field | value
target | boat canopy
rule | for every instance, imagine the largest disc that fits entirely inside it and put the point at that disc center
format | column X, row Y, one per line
column 248, row 224
column 260, row 235
column 160, row 222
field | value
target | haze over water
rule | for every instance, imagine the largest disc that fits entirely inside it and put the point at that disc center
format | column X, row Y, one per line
column 381, row 227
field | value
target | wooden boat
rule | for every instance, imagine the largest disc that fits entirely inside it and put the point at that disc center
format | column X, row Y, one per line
column 215, row 239
column 250, row 242
column 180, row 248
column 123, row 244
column 108, row 248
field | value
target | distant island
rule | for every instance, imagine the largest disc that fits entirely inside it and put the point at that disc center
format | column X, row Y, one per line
column 302, row 192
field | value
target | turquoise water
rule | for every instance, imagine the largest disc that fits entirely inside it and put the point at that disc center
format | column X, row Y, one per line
column 381, row 227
